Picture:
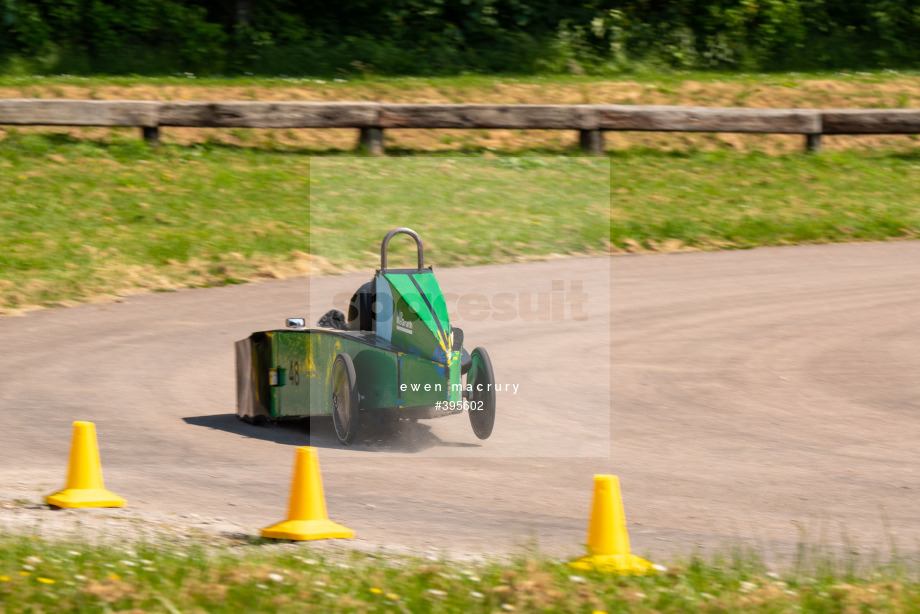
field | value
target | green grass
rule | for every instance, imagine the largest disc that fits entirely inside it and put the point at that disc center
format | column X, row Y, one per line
column 725, row 199
column 37, row 576
column 468, row 210
column 81, row 220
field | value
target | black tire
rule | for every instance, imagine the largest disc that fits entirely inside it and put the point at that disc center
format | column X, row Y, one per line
column 458, row 338
column 466, row 362
column 482, row 396
column 344, row 400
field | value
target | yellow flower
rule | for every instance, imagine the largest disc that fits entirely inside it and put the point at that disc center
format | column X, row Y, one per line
column 45, row 580
column 392, row 596
column 114, row 576
column 376, row 591
column 4, row 578
column 24, row 573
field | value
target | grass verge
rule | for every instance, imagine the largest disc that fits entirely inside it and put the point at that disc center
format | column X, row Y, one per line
column 76, row 577
column 719, row 199
column 83, row 220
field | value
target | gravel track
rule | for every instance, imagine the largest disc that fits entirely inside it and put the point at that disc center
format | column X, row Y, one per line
column 761, row 397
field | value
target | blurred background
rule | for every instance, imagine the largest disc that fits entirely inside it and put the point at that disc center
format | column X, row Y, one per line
column 439, row 37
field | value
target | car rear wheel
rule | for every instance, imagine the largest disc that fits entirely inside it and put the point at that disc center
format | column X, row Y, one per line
column 344, row 399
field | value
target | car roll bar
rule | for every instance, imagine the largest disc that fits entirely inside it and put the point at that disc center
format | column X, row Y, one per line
column 393, row 233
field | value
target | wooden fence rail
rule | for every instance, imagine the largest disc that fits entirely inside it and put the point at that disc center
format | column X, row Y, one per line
column 372, row 119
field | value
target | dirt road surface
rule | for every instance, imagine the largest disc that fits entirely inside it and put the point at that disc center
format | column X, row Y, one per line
column 760, row 397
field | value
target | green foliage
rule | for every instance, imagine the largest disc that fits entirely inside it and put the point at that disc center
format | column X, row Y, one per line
column 450, row 36
column 79, row 36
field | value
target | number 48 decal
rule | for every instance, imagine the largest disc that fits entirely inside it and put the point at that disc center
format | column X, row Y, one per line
column 294, row 373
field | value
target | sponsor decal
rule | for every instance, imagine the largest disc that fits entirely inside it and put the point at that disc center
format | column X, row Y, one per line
column 402, row 324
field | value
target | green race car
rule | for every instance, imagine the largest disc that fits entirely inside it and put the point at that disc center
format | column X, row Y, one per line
column 395, row 356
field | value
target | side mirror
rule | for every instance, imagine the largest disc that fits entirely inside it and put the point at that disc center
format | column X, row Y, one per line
column 295, row 323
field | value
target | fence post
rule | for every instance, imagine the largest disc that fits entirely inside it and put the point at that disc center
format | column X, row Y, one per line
column 813, row 143
column 371, row 141
column 591, row 142
column 151, row 134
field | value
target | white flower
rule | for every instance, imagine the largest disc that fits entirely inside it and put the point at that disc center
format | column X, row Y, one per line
column 262, row 586
column 319, row 583
column 276, row 577
column 436, row 592
column 74, row 553
column 659, row 568
column 33, row 559
column 476, row 594
column 129, row 563
column 79, row 577
column 28, row 568
column 576, row 579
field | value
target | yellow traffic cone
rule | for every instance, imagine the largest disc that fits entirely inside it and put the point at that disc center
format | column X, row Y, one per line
column 608, row 542
column 307, row 517
column 84, row 476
